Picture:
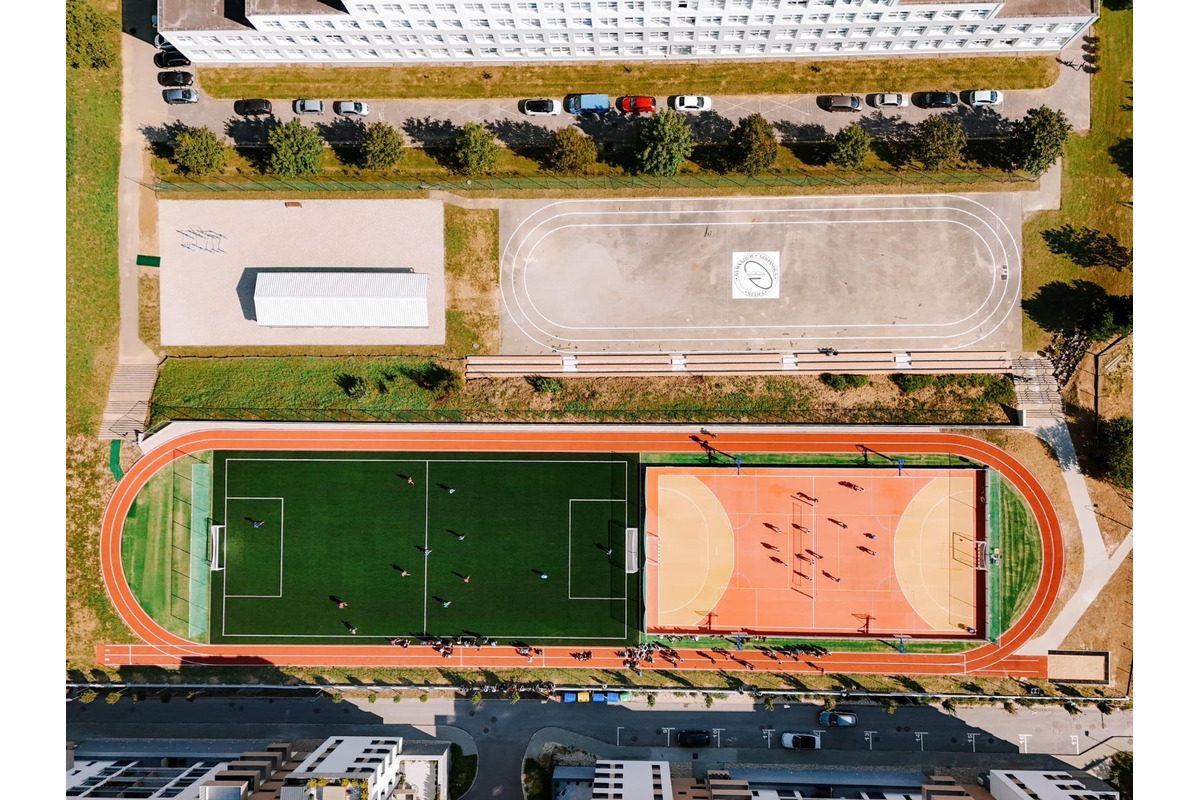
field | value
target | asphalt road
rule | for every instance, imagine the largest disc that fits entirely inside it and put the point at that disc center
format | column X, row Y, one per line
column 914, row 738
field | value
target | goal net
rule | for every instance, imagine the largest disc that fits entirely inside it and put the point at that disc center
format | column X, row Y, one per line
column 216, row 534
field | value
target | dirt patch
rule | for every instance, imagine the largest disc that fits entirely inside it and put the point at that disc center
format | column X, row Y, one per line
column 148, row 309
column 1039, row 458
column 472, row 280
column 1108, row 625
column 147, row 212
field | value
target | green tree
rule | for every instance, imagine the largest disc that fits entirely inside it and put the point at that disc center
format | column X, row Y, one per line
column 91, row 36
column 87, row 696
column 1039, row 139
column 664, row 142
column 938, row 142
column 753, row 146
column 475, row 151
column 198, row 151
column 1107, row 316
column 851, row 146
column 1116, row 451
column 1121, row 773
column 295, row 150
column 382, row 146
column 1088, row 247
column 572, row 151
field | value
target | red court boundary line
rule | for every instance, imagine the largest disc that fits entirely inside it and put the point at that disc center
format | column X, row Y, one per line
column 162, row 648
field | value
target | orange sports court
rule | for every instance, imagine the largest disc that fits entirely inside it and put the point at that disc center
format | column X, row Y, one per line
column 816, row 551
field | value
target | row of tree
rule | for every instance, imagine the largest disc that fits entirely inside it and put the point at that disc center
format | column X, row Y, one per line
column 664, row 143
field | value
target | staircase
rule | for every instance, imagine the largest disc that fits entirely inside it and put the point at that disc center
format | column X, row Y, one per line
column 128, row 400
column 1038, row 393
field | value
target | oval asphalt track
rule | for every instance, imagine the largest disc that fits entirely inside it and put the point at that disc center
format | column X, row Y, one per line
column 162, row 648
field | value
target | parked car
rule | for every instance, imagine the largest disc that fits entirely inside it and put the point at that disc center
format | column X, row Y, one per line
column 351, row 108
column 636, row 104
column 843, row 102
column 887, row 100
column 169, row 59
column 801, row 741
column 983, row 97
column 693, row 739
column 251, row 108
column 690, row 102
column 544, row 107
column 179, row 97
column 309, row 106
column 175, row 79
column 934, row 99
column 838, row 719
column 586, row 104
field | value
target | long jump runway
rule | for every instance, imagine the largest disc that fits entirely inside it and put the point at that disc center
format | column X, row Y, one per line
column 887, row 272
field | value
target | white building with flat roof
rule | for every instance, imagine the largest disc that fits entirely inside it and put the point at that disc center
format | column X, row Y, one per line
column 500, row 31
column 1027, row 784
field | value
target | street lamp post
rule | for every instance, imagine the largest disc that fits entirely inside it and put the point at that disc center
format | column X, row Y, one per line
column 619, row 727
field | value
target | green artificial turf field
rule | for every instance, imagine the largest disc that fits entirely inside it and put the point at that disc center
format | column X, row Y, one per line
column 344, row 527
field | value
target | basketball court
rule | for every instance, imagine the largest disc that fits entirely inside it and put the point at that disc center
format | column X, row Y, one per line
column 815, row 551
column 903, row 272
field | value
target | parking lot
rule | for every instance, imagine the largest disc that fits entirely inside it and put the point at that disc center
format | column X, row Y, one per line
column 906, row 272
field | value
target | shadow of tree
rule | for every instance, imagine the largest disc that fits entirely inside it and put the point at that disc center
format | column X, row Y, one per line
column 807, row 132
column 250, row 130
column 714, row 157
column 983, row 121
column 710, row 128
column 344, row 136
column 161, row 138
column 1061, row 307
column 989, row 152
column 1121, row 154
column 609, row 128
column 429, row 133
column 517, row 134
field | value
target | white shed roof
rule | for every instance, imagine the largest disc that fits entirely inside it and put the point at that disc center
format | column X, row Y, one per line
column 367, row 299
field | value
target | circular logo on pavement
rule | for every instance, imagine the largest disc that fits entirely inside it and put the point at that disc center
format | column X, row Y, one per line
column 755, row 275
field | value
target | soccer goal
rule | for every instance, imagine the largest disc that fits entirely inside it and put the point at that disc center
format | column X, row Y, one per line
column 216, row 534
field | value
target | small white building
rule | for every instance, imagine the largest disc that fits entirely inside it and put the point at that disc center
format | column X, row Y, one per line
column 371, row 768
column 375, row 299
column 508, row 31
column 1041, row 785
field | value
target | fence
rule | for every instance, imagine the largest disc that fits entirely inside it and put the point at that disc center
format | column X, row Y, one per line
column 161, row 413
column 403, row 183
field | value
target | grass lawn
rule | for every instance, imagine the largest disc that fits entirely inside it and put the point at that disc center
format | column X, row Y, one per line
column 462, row 771
column 93, row 159
column 1021, row 556
column 351, row 525
column 1095, row 193
column 785, row 76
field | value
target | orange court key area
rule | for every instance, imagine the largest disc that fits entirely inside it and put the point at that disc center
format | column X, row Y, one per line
column 814, row 551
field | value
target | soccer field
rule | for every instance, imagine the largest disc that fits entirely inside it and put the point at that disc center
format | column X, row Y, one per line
column 307, row 531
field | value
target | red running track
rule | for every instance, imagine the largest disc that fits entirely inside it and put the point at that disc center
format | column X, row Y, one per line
column 161, row 648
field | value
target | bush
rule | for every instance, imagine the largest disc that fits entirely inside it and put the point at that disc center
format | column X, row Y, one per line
column 769, row 704
column 475, row 151
column 664, row 143
column 295, row 150
column 91, row 37
column 572, row 151
column 462, row 771
column 938, row 142
column 382, row 147
column 1116, row 451
column 433, row 377
column 1120, row 770
column 1039, row 139
column 338, row 697
column 844, row 383
column 112, row 698
column 651, row 699
column 708, row 700
column 424, row 698
column 913, row 382
column 371, row 698
column 198, row 151
column 850, row 147
column 543, row 385
column 753, row 146
column 88, row 696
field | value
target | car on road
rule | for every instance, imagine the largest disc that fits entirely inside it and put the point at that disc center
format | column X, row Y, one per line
column 934, row 99
column 838, row 719
column 636, row 104
column 887, row 100
column 983, row 97
column 251, row 108
column 690, row 102
column 693, row 739
column 540, row 107
column 351, row 108
column 179, row 97
column 801, row 741
column 169, row 59
column 175, row 79
column 840, row 102
column 308, row 106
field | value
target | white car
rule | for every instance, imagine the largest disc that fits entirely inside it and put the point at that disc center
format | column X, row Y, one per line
column 309, row 106
column 691, row 102
column 887, row 100
column 801, row 741
column 983, row 97
column 540, row 108
column 351, row 108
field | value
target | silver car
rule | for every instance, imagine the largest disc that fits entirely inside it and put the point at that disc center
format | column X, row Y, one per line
column 309, row 106
column 179, row 97
column 887, row 100
column 351, row 108
column 838, row 719
column 801, row 741
column 983, row 97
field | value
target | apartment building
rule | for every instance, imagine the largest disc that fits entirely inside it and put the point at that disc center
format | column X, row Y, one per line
column 521, row 31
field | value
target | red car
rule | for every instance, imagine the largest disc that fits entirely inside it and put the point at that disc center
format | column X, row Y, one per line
column 636, row 104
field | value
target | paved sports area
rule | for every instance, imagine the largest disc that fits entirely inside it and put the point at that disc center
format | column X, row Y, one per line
column 903, row 272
